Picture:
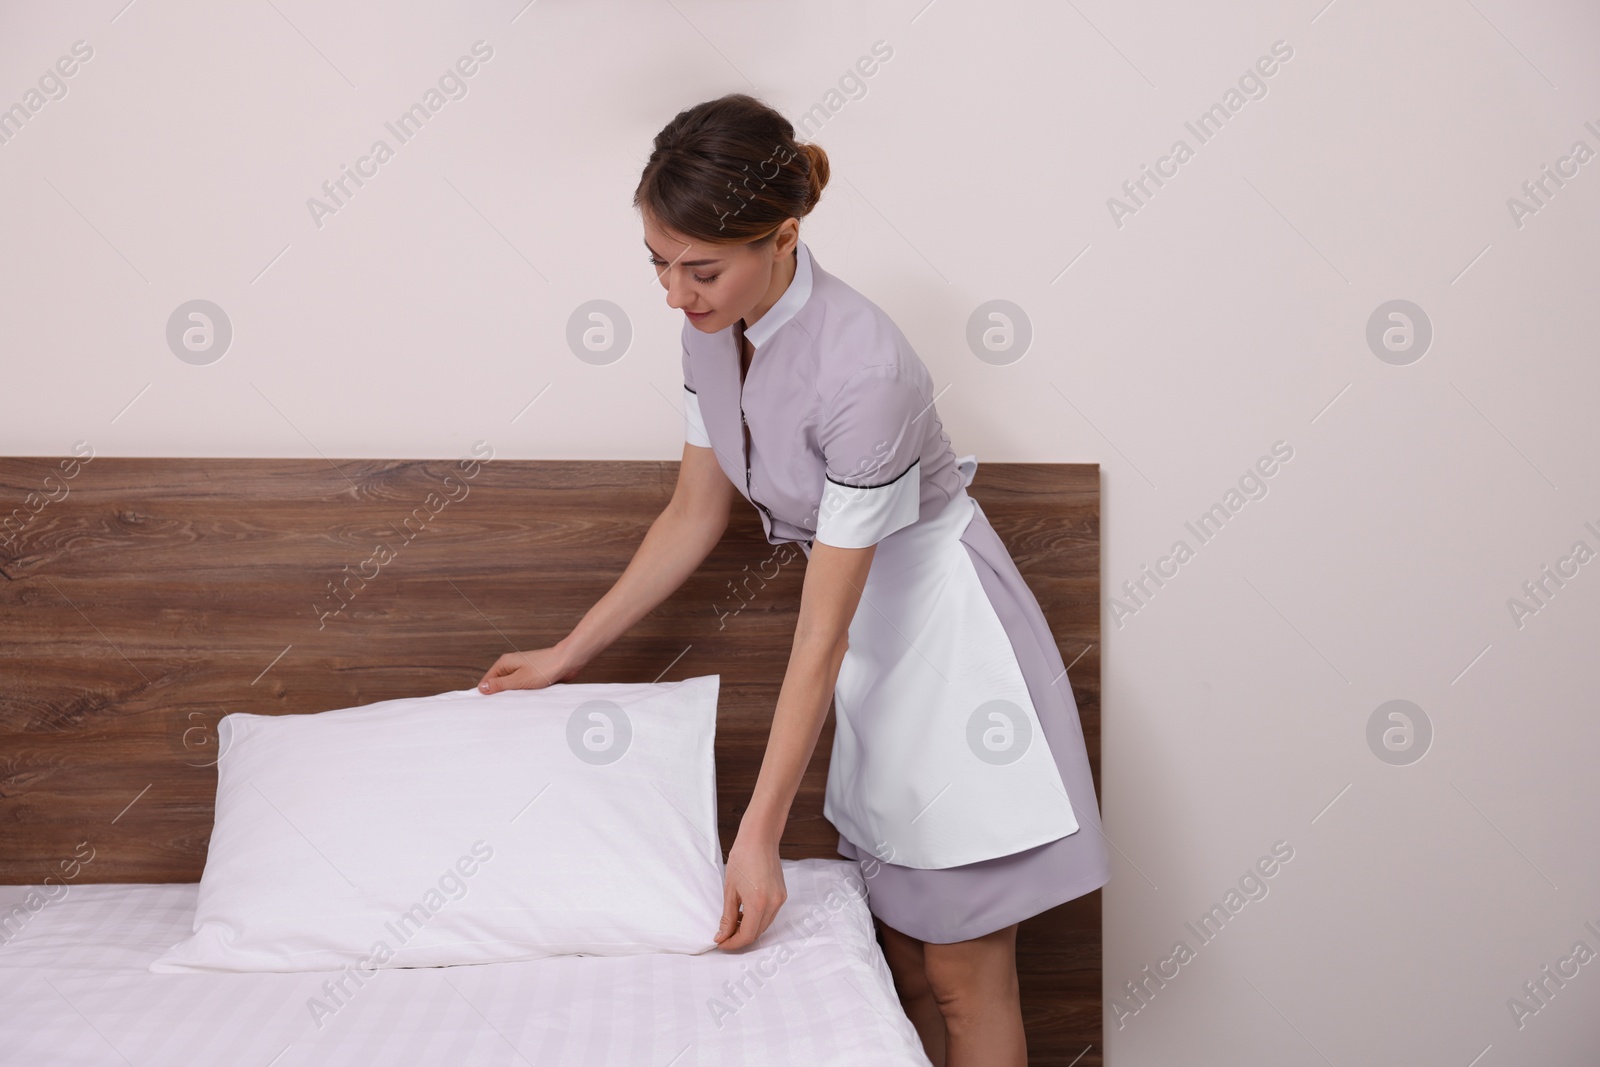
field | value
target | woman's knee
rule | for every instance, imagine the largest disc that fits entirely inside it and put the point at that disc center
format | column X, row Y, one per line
column 970, row 978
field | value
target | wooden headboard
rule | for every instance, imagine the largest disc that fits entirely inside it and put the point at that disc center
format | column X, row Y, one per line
column 143, row 599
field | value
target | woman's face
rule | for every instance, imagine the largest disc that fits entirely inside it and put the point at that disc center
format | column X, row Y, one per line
column 716, row 285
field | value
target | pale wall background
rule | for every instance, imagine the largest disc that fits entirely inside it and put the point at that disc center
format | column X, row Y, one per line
column 1228, row 313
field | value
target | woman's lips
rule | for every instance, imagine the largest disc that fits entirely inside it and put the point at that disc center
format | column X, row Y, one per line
column 697, row 315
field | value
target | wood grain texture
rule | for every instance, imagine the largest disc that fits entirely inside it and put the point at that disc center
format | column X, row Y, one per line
column 143, row 599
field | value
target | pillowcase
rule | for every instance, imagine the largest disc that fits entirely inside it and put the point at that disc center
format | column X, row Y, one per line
column 463, row 828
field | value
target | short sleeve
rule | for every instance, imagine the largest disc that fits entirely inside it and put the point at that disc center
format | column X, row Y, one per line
column 871, row 439
column 694, row 426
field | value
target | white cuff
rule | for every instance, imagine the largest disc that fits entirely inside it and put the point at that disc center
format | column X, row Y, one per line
column 694, row 425
column 855, row 517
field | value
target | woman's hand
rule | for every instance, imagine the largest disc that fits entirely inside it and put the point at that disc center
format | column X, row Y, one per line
column 530, row 670
column 754, row 879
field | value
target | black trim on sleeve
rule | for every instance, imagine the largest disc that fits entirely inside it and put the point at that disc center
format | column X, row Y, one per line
column 690, row 390
column 880, row 485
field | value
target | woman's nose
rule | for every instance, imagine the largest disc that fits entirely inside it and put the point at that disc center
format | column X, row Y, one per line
column 677, row 295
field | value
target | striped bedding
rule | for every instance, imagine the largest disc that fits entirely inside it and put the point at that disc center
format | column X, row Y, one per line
column 75, row 990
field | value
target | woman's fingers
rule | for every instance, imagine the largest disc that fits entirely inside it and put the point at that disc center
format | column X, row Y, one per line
column 527, row 670
column 745, row 916
column 503, row 671
column 514, row 670
column 752, row 922
column 730, row 909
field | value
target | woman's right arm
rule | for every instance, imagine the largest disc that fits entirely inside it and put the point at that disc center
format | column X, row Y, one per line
column 680, row 538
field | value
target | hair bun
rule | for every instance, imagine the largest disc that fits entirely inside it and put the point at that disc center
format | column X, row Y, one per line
column 818, row 175
column 714, row 174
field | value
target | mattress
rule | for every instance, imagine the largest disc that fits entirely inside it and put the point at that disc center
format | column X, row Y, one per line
column 814, row 990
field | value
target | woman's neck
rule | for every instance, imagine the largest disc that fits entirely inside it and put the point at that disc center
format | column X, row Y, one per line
column 782, row 278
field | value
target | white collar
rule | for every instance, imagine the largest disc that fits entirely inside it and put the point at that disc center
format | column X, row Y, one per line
column 784, row 309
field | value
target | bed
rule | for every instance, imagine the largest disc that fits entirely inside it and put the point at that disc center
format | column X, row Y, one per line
column 143, row 599
column 75, row 990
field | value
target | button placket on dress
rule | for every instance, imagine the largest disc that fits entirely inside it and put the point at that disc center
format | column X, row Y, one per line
column 744, row 425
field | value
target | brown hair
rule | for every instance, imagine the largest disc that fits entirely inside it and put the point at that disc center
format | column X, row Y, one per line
column 730, row 171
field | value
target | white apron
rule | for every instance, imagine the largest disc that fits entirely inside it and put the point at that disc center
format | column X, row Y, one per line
column 938, row 759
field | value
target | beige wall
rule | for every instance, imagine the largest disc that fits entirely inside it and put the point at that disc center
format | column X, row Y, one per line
column 1175, row 344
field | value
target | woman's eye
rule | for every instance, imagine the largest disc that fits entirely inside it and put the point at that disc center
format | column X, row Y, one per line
column 658, row 264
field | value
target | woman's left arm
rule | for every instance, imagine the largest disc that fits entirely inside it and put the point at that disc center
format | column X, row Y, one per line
column 828, row 599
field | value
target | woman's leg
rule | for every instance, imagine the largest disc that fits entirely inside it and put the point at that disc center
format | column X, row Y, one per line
column 905, row 957
column 974, row 984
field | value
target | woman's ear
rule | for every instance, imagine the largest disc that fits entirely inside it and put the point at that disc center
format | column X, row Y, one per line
column 787, row 239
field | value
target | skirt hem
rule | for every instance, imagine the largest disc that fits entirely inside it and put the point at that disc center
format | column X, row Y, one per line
column 915, row 924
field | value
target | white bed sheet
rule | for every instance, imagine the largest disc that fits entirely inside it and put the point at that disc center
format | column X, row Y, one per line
column 75, row 990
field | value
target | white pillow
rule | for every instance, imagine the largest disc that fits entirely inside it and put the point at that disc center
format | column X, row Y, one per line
column 463, row 828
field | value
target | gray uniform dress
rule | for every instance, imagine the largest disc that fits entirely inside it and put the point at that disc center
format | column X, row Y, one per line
column 965, row 814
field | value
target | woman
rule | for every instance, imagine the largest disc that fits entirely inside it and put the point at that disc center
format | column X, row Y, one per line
column 958, row 777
